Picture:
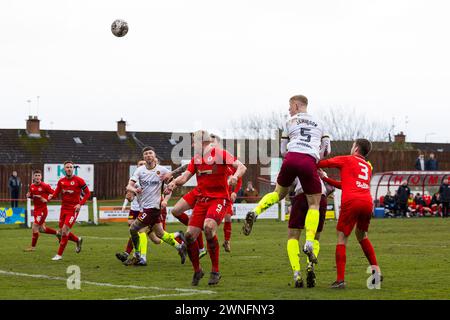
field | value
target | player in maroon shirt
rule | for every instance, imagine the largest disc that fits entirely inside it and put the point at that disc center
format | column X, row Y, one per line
column 75, row 193
column 211, row 167
column 356, row 207
column 39, row 192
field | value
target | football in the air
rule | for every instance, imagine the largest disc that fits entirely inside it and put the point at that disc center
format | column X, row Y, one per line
column 119, row 28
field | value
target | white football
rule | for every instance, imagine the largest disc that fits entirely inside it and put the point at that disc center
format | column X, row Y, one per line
column 119, row 28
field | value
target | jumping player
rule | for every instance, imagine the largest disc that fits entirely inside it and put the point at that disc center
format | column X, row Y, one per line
column 210, row 165
column 306, row 135
column 39, row 192
column 357, row 204
column 74, row 194
column 150, row 179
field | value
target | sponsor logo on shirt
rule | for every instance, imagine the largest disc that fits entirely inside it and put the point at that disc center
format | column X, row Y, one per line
column 362, row 185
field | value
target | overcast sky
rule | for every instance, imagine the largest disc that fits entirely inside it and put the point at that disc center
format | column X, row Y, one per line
column 201, row 63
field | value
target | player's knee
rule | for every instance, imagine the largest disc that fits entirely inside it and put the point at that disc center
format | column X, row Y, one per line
column 189, row 237
column 41, row 229
column 209, row 231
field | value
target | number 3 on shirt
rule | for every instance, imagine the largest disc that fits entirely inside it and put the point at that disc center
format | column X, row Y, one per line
column 364, row 171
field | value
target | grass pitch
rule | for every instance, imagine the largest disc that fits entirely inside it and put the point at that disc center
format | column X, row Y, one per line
column 414, row 256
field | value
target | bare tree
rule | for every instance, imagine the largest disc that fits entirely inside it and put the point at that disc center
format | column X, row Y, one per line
column 254, row 126
column 341, row 123
column 345, row 124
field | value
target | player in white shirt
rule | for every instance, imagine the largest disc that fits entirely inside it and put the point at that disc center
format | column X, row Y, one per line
column 133, row 214
column 302, row 138
column 151, row 179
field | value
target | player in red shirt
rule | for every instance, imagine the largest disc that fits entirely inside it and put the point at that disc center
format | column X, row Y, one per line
column 210, row 165
column 39, row 192
column 356, row 207
column 215, row 140
column 75, row 193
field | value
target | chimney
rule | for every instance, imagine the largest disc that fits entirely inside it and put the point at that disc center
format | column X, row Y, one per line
column 400, row 137
column 122, row 129
column 33, row 129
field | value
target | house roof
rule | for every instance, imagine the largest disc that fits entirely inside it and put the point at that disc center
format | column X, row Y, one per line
column 56, row 146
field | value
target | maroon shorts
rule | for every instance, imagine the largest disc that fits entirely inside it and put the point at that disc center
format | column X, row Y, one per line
column 150, row 217
column 67, row 217
column 133, row 215
column 304, row 167
column 299, row 210
column 356, row 212
column 211, row 208
column 40, row 214
column 191, row 197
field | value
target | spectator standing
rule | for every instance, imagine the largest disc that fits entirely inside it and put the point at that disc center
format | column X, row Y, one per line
column 403, row 193
column 444, row 194
column 431, row 164
column 14, row 185
column 251, row 193
column 420, row 162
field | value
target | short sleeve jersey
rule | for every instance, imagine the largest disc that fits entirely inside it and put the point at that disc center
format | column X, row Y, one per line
column 212, row 171
column 304, row 133
column 42, row 189
column 151, row 185
column 356, row 173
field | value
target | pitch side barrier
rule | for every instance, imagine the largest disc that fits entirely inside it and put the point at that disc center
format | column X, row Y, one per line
column 120, row 213
column 23, row 214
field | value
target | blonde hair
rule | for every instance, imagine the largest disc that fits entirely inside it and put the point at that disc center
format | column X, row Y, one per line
column 300, row 98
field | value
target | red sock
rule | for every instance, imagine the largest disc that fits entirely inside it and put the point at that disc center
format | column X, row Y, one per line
column 34, row 239
column 49, row 230
column 200, row 243
column 213, row 249
column 62, row 244
column 73, row 237
column 129, row 247
column 341, row 259
column 183, row 218
column 368, row 251
column 193, row 255
column 227, row 230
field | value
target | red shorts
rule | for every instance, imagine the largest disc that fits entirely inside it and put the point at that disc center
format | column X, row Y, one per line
column 356, row 212
column 133, row 214
column 40, row 214
column 299, row 210
column 230, row 210
column 304, row 167
column 67, row 217
column 208, row 208
column 191, row 197
column 150, row 217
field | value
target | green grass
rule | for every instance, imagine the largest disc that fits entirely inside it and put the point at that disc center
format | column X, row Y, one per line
column 413, row 255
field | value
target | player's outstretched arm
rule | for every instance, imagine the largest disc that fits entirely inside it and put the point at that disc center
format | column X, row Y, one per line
column 181, row 180
column 87, row 194
column 56, row 193
column 240, row 171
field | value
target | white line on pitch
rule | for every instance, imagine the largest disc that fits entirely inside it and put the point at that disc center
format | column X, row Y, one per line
column 103, row 284
column 158, row 296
